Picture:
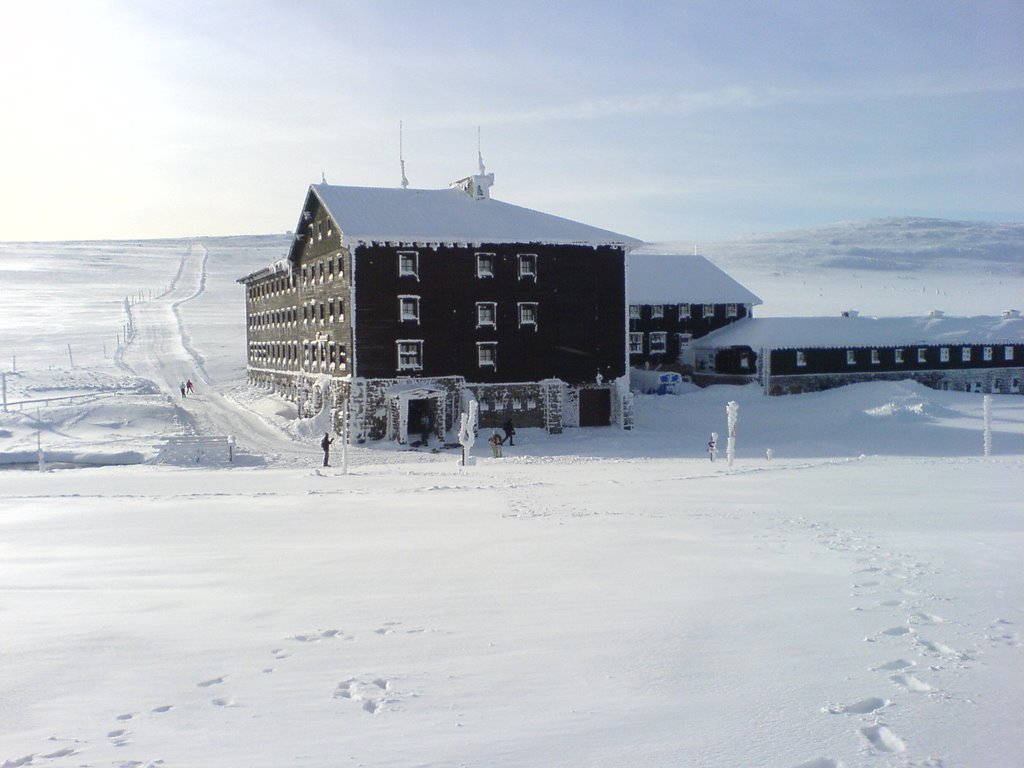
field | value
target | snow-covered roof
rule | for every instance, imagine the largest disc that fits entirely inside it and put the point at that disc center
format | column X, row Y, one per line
column 674, row 279
column 282, row 266
column 809, row 332
column 375, row 214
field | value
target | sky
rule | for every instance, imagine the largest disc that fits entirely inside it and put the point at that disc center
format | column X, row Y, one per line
column 661, row 120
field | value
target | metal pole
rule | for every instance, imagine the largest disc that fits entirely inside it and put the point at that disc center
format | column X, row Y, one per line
column 3, row 379
column 344, row 438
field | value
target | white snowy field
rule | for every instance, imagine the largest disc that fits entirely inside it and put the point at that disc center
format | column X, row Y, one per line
column 599, row 598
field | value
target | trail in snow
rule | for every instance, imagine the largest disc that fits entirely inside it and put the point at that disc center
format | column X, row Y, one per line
column 160, row 350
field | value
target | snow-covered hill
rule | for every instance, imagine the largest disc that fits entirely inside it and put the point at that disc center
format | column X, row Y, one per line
column 599, row 598
column 892, row 266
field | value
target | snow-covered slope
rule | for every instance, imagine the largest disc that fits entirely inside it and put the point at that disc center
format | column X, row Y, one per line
column 893, row 266
column 599, row 598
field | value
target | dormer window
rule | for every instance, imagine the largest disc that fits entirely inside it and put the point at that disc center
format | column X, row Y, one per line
column 485, row 265
column 657, row 311
column 527, row 266
column 634, row 311
column 408, row 264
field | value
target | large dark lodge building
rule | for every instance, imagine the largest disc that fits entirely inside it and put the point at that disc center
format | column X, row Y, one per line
column 403, row 304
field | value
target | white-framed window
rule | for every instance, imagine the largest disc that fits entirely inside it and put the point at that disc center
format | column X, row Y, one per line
column 657, row 310
column 684, row 311
column 528, row 314
column 801, row 358
column 409, row 264
column 965, row 354
column 744, row 362
column 921, row 356
column 986, row 353
column 898, row 356
column 851, row 358
column 486, row 314
column 731, row 310
column 487, row 354
column 944, row 355
column 527, row 266
column 485, row 264
column 634, row 311
column 684, row 340
column 1007, row 352
column 875, row 358
column 709, row 310
column 409, row 308
column 410, row 354
column 636, row 343
column 658, row 342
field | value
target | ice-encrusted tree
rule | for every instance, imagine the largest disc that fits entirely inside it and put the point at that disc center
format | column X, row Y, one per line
column 732, row 412
column 467, row 430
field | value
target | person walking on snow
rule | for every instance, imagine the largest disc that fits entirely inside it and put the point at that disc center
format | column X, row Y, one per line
column 326, row 445
column 510, row 432
column 182, row 387
column 495, row 441
column 188, row 387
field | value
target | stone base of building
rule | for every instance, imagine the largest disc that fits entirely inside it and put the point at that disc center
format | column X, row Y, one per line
column 421, row 409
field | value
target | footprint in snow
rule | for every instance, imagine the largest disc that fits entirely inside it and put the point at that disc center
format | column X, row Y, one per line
column 895, row 665
column 213, row 681
column 926, row 618
column 911, row 683
column 897, row 631
column 820, row 762
column 67, row 752
column 940, row 648
column 883, row 739
column 161, row 710
column 119, row 737
column 862, row 707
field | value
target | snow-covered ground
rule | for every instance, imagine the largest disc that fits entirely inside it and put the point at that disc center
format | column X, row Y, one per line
column 599, row 598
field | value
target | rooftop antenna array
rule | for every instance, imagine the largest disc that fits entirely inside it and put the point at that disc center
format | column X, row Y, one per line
column 401, row 156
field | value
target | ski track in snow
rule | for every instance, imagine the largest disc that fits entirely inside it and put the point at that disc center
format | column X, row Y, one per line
column 159, row 349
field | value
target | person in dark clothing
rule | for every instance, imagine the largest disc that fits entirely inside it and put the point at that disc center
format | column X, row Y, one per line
column 510, row 432
column 425, row 428
column 326, row 445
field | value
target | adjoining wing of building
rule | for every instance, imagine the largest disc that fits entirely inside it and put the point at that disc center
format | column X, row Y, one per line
column 788, row 355
column 674, row 299
column 403, row 303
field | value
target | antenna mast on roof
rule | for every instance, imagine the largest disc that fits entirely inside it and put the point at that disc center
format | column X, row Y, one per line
column 401, row 156
column 479, row 154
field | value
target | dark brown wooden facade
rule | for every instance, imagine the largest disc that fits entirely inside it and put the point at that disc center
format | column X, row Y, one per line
column 658, row 333
column 491, row 313
column 524, row 327
column 996, row 368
